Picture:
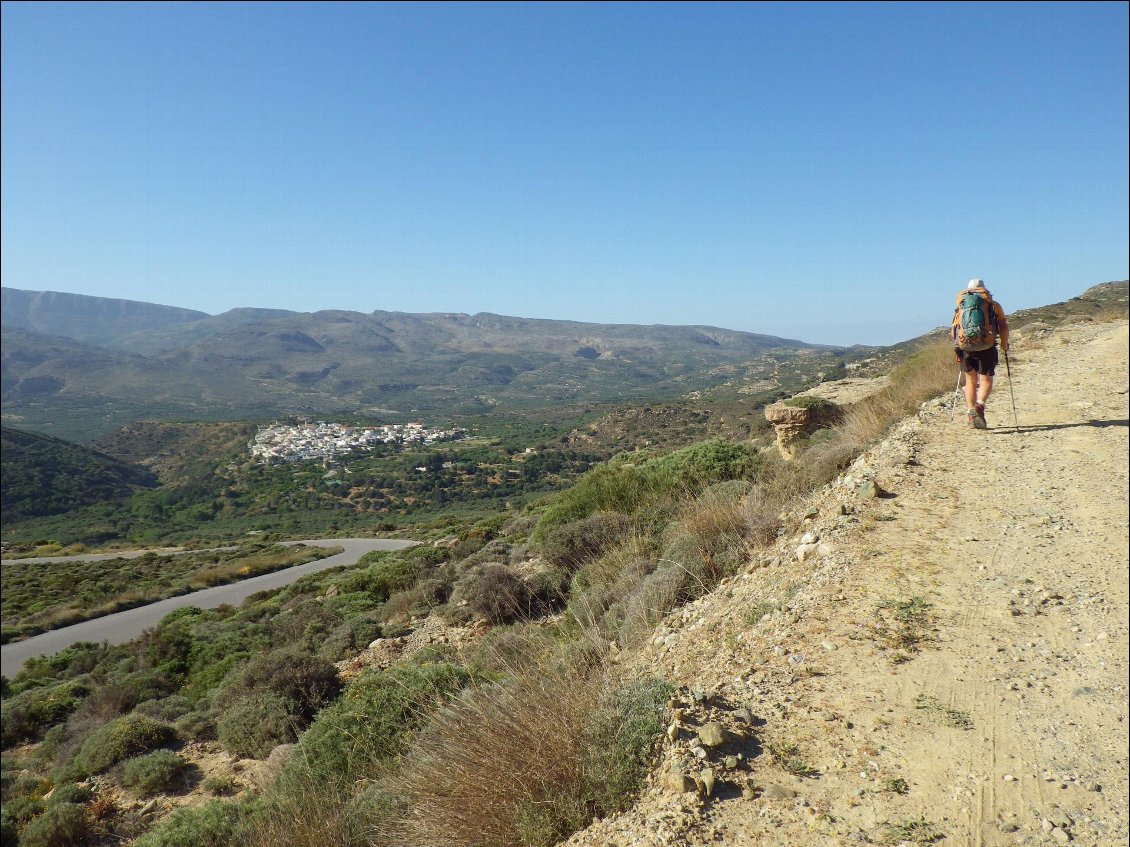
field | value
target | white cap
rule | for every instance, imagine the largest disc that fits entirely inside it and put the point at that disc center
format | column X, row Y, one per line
column 976, row 283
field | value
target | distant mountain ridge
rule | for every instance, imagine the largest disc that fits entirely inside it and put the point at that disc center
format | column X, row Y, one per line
column 95, row 320
column 87, row 363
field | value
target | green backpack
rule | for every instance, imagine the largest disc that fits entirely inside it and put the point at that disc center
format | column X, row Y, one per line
column 974, row 322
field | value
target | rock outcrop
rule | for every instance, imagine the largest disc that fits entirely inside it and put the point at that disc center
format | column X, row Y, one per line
column 795, row 423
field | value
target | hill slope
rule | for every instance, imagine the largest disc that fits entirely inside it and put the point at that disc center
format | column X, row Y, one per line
column 949, row 660
column 48, row 476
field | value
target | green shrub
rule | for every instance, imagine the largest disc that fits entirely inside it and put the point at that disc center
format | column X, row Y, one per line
column 731, row 490
column 472, row 777
column 196, row 726
column 572, row 545
column 371, row 722
column 616, row 486
column 69, row 772
column 496, row 593
column 256, row 725
column 167, row 709
column 160, row 772
column 126, row 692
column 693, row 468
column 71, row 793
column 122, row 739
column 353, row 635
column 27, row 714
column 621, row 742
column 510, row 649
column 621, row 485
column 21, row 808
column 308, row 682
column 350, row 605
column 549, row 590
column 684, row 553
column 385, row 574
column 60, row 825
column 215, row 824
column 617, row 748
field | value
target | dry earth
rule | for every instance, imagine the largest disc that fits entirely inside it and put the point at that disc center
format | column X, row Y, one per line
column 943, row 663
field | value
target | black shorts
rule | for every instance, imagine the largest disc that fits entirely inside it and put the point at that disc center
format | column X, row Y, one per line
column 981, row 361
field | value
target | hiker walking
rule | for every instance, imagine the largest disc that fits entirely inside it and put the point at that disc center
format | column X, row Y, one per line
column 978, row 322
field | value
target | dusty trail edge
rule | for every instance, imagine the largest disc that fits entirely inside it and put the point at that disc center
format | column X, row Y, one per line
column 945, row 663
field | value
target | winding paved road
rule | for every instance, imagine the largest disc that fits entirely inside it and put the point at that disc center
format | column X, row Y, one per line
column 121, row 627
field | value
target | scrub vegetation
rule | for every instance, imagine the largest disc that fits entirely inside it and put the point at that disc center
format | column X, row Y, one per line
column 431, row 745
column 425, row 746
column 39, row 597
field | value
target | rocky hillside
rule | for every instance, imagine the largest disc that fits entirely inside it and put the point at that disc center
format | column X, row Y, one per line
column 930, row 653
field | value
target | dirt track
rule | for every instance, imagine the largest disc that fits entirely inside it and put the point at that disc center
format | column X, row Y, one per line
column 999, row 717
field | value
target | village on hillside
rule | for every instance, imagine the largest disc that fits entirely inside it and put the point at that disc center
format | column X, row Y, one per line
column 304, row 441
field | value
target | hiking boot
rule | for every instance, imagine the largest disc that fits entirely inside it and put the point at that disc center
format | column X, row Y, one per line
column 975, row 420
column 981, row 414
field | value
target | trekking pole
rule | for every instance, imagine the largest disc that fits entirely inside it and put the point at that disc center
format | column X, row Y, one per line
column 953, row 405
column 1008, row 370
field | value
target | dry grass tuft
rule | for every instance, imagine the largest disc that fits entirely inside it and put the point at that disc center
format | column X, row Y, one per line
column 489, row 757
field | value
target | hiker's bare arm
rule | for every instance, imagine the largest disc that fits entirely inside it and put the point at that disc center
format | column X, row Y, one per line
column 1002, row 327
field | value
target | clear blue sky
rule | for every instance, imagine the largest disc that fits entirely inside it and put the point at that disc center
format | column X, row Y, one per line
column 825, row 172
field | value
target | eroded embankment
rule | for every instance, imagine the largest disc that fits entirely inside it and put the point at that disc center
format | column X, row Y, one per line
column 945, row 662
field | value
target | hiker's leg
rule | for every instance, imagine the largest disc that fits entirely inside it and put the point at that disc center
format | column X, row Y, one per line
column 984, row 389
column 970, row 388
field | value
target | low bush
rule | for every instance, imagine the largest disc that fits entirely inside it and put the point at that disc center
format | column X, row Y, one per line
column 256, row 725
column 631, row 484
column 633, row 617
column 27, row 714
column 71, row 793
column 385, row 574
column 308, row 682
column 126, row 691
column 348, row 638
column 60, row 825
column 220, row 786
column 122, row 739
column 160, row 772
column 167, row 709
column 420, row 599
column 312, row 818
column 495, row 593
column 215, row 824
column 20, row 808
column 511, row 649
column 621, row 740
column 373, row 721
column 572, row 545
column 693, row 468
column 196, row 726
column 616, row 486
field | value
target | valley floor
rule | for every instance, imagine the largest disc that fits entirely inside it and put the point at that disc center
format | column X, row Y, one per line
column 944, row 663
